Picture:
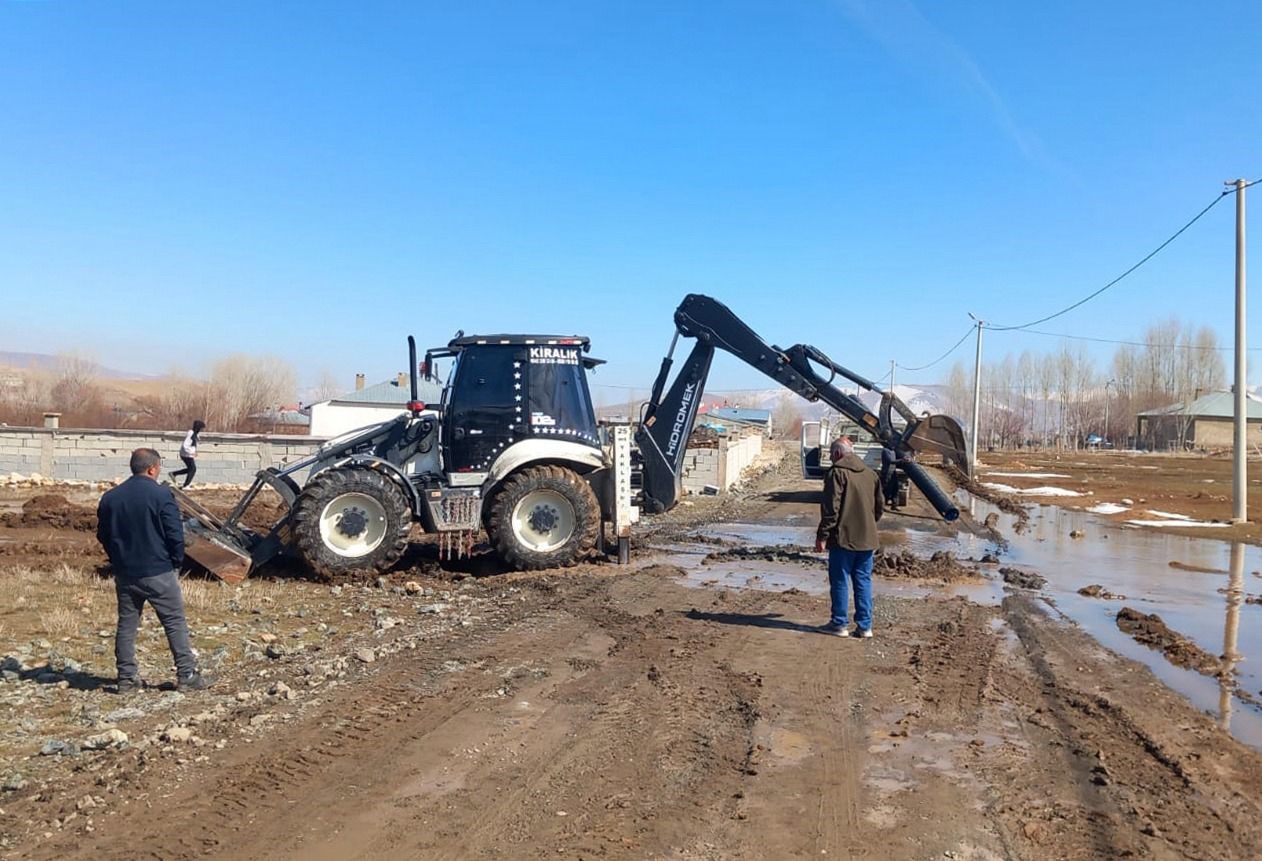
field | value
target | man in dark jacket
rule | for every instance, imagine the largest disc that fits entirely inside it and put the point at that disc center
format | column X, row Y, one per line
column 852, row 504
column 138, row 524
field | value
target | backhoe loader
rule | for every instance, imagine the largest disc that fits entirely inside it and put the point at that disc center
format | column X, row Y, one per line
column 514, row 450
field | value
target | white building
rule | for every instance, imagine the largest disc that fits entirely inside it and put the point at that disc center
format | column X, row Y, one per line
column 368, row 405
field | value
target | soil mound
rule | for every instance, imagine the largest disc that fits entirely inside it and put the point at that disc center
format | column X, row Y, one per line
column 1195, row 569
column 50, row 510
column 1022, row 579
column 941, row 566
column 1152, row 631
column 786, row 554
column 1095, row 590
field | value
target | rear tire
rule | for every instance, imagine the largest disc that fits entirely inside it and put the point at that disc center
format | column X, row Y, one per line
column 544, row 517
column 351, row 520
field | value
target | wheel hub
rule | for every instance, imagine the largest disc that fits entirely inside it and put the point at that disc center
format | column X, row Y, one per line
column 543, row 519
column 353, row 522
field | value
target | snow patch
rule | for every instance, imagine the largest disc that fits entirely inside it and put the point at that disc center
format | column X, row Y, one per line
column 1030, row 474
column 1030, row 491
column 1169, row 515
column 1179, row 523
column 1108, row 508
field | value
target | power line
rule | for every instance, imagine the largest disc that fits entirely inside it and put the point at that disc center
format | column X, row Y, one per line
column 648, row 388
column 955, row 347
column 1150, row 255
column 1131, row 343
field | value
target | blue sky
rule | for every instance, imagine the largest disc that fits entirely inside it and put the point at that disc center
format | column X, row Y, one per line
column 318, row 180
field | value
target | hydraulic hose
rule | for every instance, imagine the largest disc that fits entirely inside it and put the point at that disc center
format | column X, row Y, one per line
column 930, row 489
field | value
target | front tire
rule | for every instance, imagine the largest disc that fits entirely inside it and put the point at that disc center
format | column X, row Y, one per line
column 351, row 520
column 544, row 517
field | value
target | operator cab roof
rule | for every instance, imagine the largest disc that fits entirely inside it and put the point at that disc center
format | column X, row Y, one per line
column 461, row 341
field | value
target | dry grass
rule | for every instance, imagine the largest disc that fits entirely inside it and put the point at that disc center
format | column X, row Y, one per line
column 60, row 622
column 56, row 602
column 259, row 594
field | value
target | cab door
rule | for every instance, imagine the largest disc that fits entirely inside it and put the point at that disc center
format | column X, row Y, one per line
column 484, row 407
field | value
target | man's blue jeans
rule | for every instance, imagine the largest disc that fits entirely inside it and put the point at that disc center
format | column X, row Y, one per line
column 854, row 566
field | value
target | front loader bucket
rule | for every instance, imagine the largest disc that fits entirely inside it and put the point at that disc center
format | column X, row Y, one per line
column 941, row 435
column 218, row 554
column 222, row 548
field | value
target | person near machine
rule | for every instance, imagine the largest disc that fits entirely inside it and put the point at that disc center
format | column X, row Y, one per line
column 853, row 502
column 889, row 476
column 188, row 453
column 139, row 525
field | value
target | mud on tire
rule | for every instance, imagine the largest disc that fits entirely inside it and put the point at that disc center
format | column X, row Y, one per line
column 351, row 520
column 544, row 517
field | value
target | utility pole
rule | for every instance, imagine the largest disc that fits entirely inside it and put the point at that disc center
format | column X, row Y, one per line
column 891, row 375
column 1106, row 411
column 1240, row 454
column 977, row 397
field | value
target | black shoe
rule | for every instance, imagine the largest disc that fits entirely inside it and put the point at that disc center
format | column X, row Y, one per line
column 129, row 686
column 195, row 682
column 835, row 630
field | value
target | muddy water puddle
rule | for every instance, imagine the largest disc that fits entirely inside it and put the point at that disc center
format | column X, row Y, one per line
column 1125, row 561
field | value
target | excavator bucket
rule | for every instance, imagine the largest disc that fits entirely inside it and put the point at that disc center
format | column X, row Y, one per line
column 941, row 435
column 212, row 544
column 218, row 554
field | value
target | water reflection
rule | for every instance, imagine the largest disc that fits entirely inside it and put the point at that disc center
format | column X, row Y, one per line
column 1231, row 631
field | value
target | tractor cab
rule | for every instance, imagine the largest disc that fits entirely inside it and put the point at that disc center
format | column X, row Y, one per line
column 505, row 389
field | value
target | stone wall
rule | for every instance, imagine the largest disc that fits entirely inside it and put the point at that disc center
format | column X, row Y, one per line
column 721, row 467
column 72, row 454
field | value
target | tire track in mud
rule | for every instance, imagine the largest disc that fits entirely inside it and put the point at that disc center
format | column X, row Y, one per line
column 838, row 812
column 628, row 745
column 953, row 667
column 1121, row 755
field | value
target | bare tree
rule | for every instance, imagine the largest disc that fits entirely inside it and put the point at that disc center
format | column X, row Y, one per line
column 959, row 394
column 75, row 386
column 786, row 418
column 242, row 386
column 328, row 387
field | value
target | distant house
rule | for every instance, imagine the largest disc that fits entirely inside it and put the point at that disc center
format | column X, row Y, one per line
column 368, row 405
column 1205, row 423
column 728, row 418
column 292, row 418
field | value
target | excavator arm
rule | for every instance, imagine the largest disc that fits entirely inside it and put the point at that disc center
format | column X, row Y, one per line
column 668, row 417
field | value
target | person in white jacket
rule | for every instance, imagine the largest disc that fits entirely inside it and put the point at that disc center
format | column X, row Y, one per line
column 188, row 453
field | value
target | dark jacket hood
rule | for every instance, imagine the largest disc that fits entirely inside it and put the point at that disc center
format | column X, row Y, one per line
column 851, row 462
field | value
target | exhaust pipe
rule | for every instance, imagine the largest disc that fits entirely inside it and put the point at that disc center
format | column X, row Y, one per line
column 414, row 405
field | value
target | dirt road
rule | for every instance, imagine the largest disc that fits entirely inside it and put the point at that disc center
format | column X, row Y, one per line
column 606, row 713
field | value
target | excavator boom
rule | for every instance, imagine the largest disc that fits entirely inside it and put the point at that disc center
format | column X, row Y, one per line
column 670, row 414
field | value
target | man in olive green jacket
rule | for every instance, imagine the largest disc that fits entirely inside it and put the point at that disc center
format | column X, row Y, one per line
column 852, row 504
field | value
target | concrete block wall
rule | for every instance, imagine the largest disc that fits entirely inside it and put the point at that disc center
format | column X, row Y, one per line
column 101, row 455
column 721, row 467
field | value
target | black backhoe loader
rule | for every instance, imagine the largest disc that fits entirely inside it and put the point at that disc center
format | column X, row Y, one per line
column 667, row 419
column 515, row 450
